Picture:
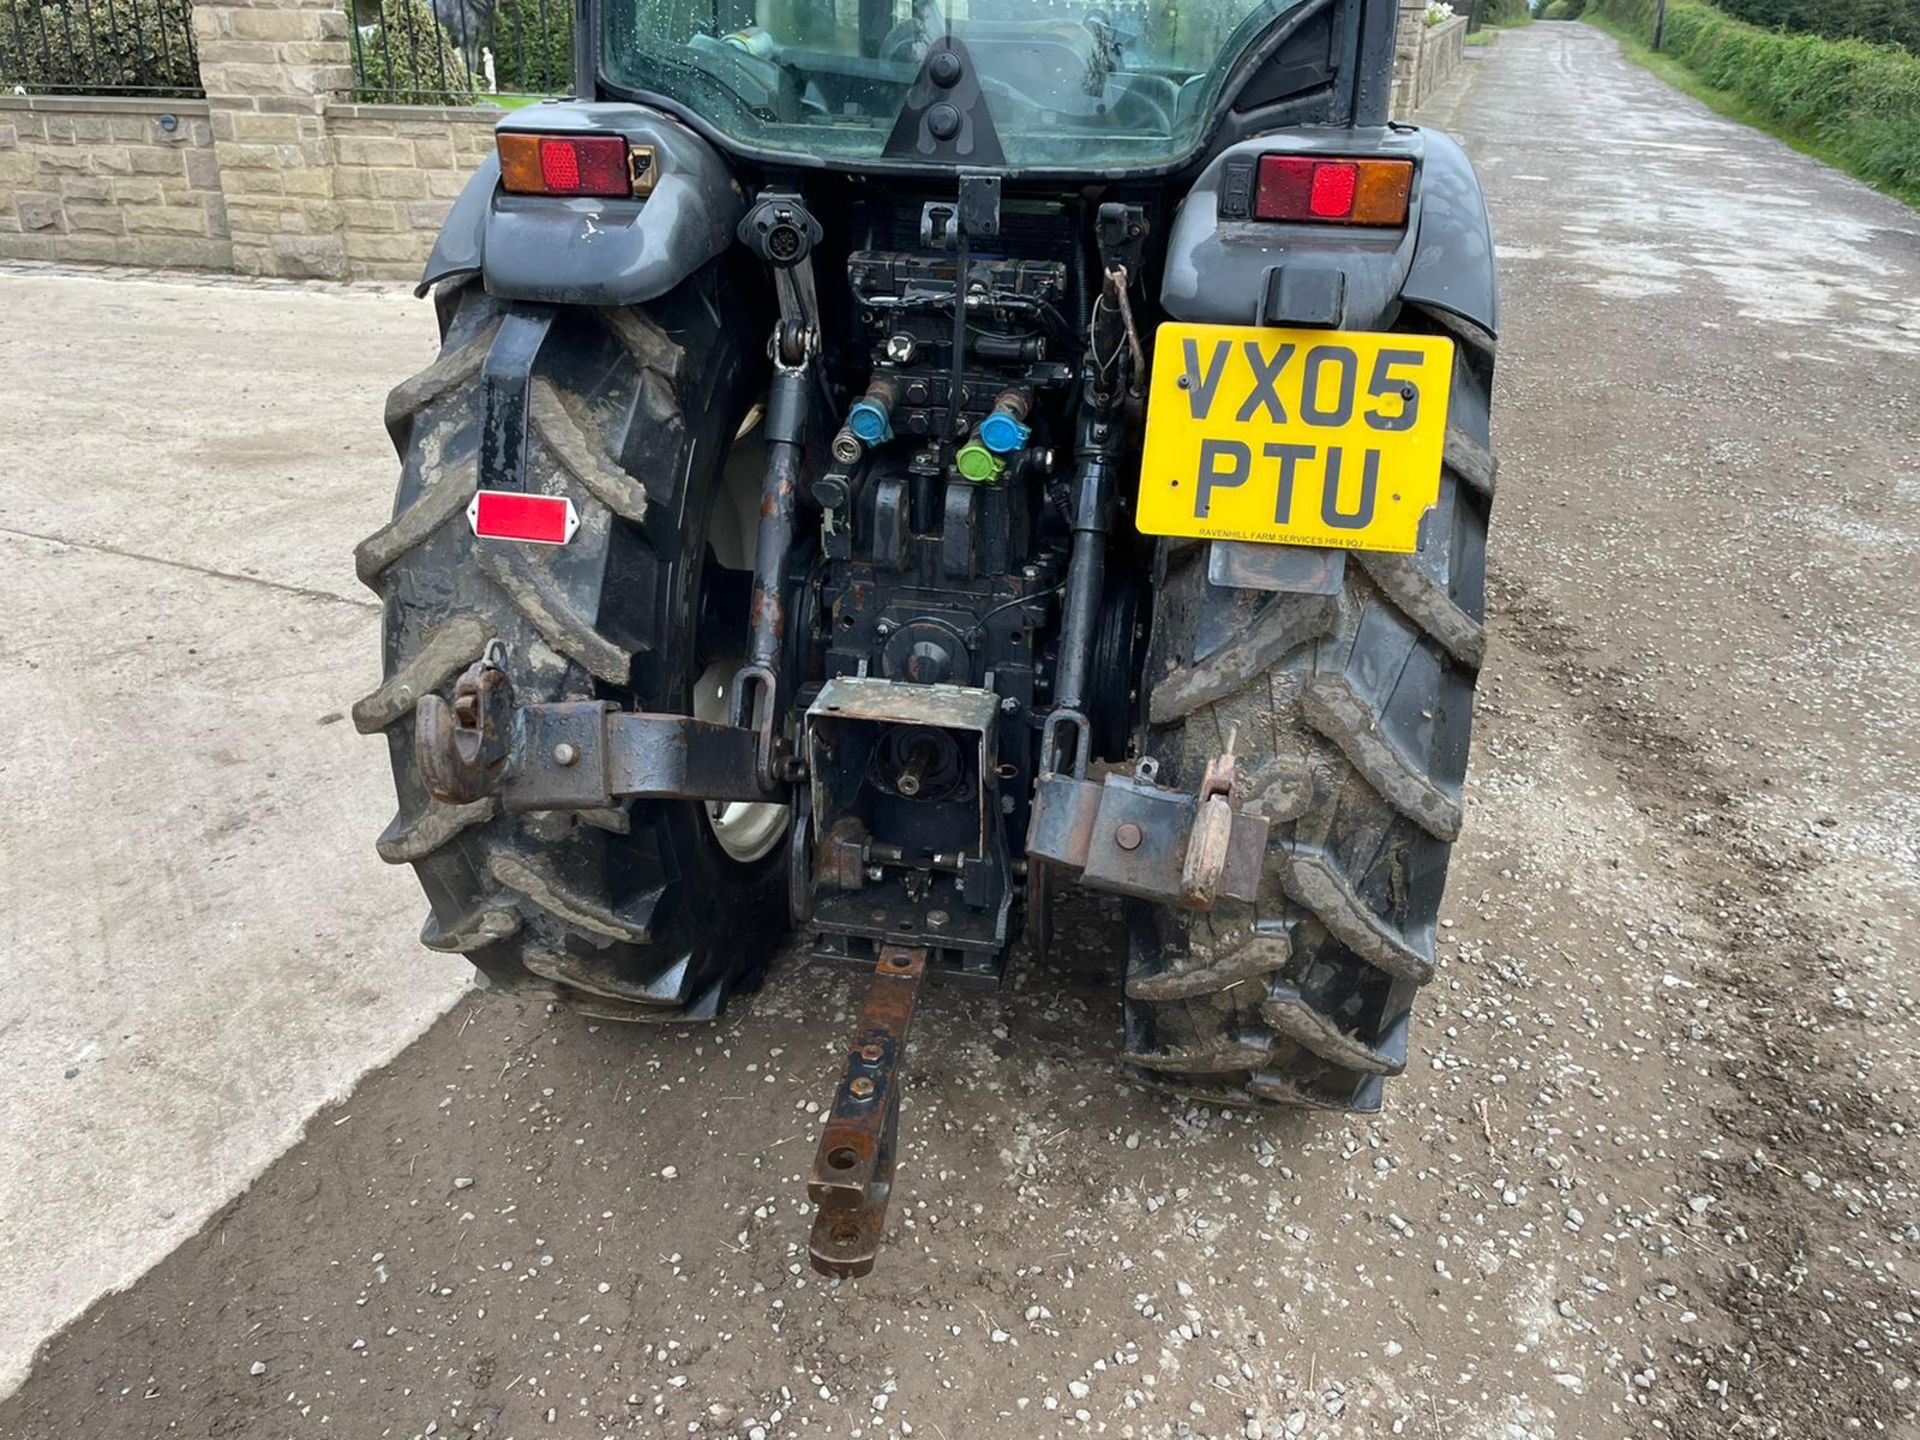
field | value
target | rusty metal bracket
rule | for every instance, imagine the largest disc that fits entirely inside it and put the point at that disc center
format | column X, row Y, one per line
column 1132, row 836
column 575, row 755
column 1211, row 843
column 853, row 1168
column 586, row 755
column 755, row 704
column 463, row 748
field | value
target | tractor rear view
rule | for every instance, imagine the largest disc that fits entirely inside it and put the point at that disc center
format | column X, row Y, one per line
column 891, row 462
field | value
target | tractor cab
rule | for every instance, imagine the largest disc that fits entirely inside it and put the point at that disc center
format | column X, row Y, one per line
column 1028, row 84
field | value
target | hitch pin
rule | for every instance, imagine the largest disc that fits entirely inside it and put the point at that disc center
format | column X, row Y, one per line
column 467, row 696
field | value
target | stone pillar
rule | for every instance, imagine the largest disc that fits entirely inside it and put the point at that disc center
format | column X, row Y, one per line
column 269, row 67
column 1409, row 31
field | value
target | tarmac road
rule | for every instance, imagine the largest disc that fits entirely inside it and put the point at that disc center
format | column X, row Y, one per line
column 1651, row 1170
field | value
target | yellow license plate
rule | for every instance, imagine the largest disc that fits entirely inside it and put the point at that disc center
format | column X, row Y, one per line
column 1297, row 437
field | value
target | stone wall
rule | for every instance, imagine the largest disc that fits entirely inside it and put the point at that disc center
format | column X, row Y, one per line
column 1424, row 56
column 268, row 69
column 274, row 174
column 271, row 174
column 1442, row 50
column 125, row 181
column 396, row 171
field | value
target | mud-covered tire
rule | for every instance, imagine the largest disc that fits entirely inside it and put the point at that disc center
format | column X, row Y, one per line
column 632, row 913
column 1352, row 714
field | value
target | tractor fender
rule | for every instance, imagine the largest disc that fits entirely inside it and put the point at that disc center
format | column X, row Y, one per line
column 1225, row 268
column 1453, row 262
column 592, row 251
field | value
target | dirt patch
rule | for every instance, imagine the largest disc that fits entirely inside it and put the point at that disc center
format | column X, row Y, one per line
column 1805, row 1219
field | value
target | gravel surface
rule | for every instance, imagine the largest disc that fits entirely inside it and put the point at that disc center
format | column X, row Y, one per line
column 1650, row 1170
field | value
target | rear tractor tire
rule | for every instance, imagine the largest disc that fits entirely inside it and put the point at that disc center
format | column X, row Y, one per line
column 1352, row 714
column 635, row 913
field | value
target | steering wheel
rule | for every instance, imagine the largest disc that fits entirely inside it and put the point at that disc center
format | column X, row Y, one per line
column 908, row 41
column 763, row 81
column 1130, row 92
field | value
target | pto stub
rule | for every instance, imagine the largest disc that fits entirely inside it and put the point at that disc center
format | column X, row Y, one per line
column 513, row 515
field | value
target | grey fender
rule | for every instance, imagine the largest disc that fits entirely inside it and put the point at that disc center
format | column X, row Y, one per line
column 1226, row 269
column 1453, row 263
column 592, row 251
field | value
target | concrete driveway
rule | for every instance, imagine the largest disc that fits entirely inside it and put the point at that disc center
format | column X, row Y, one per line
column 201, row 947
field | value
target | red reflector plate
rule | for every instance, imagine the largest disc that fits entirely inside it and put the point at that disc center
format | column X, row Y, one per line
column 510, row 515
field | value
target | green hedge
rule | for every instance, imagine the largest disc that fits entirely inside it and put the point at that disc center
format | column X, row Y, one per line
column 1505, row 12
column 1857, row 103
column 1895, row 21
column 103, row 47
column 410, row 59
column 533, row 47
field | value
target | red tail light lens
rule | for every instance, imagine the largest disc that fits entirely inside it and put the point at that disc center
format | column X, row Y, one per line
column 565, row 165
column 1340, row 192
column 1330, row 197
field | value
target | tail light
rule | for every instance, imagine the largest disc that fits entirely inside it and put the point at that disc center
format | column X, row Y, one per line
column 599, row 165
column 1338, row 192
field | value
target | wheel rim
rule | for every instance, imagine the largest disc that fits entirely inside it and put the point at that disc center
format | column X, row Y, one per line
column 746, row 829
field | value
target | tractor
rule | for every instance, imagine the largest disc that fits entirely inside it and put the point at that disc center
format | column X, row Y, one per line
column 892, row 462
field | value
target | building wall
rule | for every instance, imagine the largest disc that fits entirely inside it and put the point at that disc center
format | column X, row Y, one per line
column 131, row 182
column 273, row 175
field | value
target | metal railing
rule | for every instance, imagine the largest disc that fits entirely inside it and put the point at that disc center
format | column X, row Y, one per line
column 98, row 47
column 460, row 52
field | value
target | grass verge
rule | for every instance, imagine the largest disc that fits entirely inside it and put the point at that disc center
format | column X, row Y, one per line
column 1852, row 105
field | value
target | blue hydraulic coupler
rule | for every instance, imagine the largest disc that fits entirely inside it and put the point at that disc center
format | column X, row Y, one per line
column 870, row 423
column 1005, row 431
column 871, row 419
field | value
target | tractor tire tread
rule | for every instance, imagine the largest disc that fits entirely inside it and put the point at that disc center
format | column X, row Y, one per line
column 1351, row 713
column 529, row 587
column 452, row 369
column 579, row 908
column 450, row 647
column 582, row 453
column 414, row 837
